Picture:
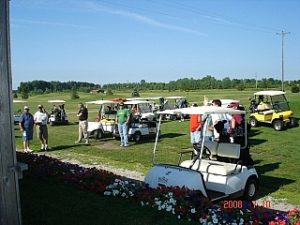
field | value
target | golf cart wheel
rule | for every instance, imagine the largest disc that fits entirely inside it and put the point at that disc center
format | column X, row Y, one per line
column 137, row 137
column 250, row 189
column 278, row 125
column 98, row 134
column 253, row 122
column 293, row 122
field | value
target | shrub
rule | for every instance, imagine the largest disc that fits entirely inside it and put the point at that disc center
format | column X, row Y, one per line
column 295, row 89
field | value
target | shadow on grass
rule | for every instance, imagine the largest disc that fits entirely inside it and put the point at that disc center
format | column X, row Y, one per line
column 254, row 142
column 269, row 184
column 171, row 135
column 62, row 147
column 254, row 132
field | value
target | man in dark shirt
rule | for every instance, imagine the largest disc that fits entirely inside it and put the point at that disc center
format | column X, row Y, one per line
column 83, row 124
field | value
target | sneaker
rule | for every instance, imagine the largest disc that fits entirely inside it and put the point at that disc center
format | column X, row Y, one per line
column 126, row 145
column 77, row 142
column 86, row 142
column 121, row 145
column 42, row 148
column 29, row 150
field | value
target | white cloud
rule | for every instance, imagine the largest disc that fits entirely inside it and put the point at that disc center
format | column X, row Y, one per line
column 141, row 18
column 16, row 21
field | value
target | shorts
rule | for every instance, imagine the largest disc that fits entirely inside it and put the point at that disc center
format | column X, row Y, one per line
column 42, row 131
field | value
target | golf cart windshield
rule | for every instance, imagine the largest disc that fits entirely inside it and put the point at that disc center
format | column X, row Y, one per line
column 280, row 103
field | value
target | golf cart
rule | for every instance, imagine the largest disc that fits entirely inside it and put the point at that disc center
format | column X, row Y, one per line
column 139, row 130
column 141, row 109
column 179, row 102
column 271, row 107
column 215, row 177
column 58, row 114
column 106, row 118
column 18, row 113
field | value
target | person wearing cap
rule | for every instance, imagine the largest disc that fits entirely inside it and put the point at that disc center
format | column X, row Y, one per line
column 26, row 127
column 83, row 124
column 122, row 119
column 40, row 120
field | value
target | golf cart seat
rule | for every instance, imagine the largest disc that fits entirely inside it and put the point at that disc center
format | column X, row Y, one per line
column 208, row 166
column 267, row 112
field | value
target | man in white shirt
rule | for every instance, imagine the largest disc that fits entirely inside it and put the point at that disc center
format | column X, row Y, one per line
column 40, row 120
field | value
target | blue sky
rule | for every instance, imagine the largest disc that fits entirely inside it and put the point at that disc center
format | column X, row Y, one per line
column 108, row 41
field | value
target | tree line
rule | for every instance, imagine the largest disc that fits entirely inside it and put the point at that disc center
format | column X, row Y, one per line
column 185, row 84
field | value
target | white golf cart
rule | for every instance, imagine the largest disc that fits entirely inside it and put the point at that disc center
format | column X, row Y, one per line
column 215, row 178
column 18, row 113
column 106, row 118
column 142, row 109
column 171, row 103
column 58, row 114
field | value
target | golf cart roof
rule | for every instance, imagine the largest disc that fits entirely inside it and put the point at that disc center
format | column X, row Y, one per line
column 270, row 93
column 174, row 97
column 144, row 98
column 19, row 101
column 56, row 101
column 134, row 102
column 101, row 102
column 203, row 110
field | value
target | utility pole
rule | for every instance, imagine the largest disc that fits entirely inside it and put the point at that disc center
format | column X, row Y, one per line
column 10, row 207
column 256, row 80
column 282, row 58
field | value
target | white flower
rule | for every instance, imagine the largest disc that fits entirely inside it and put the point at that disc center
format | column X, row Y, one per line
column 178, row 217
column 107, row 193
column 215, row 220
column 115, row 192
column 169, row 208
column 203, row 221
column 241, row 221
column 193, row 210
column 241, row 212
column 142, row 203
column 123, row 194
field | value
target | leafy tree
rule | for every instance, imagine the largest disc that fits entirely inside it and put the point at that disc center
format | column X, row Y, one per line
column 74, row 94
column 109, row 92
column 295, row 89
column 24, row 95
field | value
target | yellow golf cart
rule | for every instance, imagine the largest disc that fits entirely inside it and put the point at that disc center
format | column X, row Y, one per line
column 271, row 107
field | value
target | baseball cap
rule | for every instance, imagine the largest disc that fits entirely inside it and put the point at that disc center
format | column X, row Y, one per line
column 121, row 103
column 40, row 106
column 26, row 107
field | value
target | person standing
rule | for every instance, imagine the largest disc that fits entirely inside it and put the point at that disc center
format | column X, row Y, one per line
column 83, row 123
column 195, row 126
column 123, row 117
column 40, row 120
column 26, row 127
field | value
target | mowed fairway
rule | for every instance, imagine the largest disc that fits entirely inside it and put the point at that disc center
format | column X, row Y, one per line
column 276, row 154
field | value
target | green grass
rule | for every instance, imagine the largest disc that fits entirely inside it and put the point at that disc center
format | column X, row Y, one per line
column 276, row 154
column 48, row 202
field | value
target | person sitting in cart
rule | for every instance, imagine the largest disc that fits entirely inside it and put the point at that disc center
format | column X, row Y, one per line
column 262, row 104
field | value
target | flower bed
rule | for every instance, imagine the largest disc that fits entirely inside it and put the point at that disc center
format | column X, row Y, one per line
column 182, row 202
